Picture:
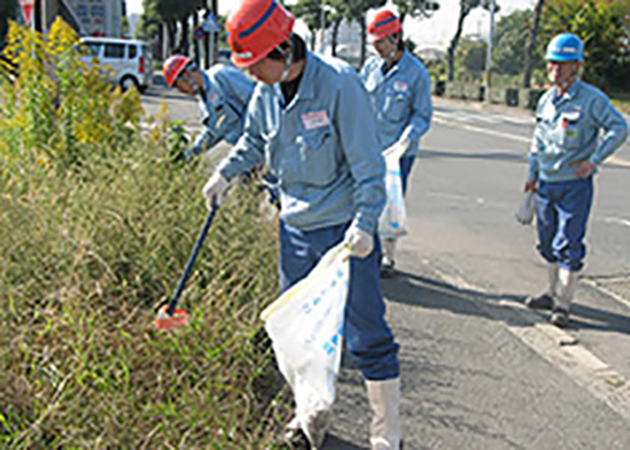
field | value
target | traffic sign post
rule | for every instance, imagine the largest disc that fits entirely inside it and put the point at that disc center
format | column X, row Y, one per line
column 27, row 9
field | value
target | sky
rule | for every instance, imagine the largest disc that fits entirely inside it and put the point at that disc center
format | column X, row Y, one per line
column 434, row 32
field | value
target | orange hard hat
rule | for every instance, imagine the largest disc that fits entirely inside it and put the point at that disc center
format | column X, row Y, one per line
column 173, row 67
column 256, row 28
column 384, row 24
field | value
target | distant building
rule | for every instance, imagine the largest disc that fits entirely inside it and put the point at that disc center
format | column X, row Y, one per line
column 87, row 17
column 98, row 17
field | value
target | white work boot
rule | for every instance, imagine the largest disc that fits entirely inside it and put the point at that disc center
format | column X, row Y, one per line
column 566, row 290
column 546, row 300
column 389, row 255
column 384, row 397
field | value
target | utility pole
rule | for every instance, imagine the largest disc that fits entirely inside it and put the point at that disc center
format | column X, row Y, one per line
column 322, row 26
column 492, row 5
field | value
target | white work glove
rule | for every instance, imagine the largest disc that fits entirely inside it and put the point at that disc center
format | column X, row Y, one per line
column 215, row 190
column 360, row 243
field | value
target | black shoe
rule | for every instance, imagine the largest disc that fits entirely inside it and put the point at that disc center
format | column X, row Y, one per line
column 387, row 268
column 560, row 317
column 544, row 301
column 295, row 439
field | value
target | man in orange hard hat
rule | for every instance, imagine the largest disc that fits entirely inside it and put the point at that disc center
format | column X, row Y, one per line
column 223, row 93
column 311, row 121
column 400, row 90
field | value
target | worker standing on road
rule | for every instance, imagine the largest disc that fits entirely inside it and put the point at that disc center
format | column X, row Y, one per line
column 400, row 90
column 223, row 93
column 311, row 121
column 564, row 157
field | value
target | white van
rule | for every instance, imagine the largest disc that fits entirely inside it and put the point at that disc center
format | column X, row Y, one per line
column 130, row 60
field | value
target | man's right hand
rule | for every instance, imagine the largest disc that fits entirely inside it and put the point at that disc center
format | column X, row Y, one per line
column 530, row 186
column 215, row 190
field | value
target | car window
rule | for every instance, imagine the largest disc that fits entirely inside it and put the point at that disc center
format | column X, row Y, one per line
column 95, row 49
column 133, row 51
column 114, row 51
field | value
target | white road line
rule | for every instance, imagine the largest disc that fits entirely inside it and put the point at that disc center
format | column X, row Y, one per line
column 611, row 161
column 512, row 137
column 602, row 287
column 558, row 347
column 616, row 220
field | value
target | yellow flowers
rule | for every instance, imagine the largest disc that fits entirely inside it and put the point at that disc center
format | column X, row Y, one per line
column 53, row 106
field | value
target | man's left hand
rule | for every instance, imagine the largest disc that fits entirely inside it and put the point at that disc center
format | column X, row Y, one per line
column 585, row 168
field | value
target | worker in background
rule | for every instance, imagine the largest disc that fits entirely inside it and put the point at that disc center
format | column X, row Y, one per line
column 565, row 154
column 223, row 93
column 310, row 119
column 400, row 92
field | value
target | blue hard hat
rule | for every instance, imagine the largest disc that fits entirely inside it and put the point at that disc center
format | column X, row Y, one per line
column 565, row 47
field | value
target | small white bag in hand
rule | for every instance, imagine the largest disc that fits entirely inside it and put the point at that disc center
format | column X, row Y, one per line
column 525, row 212
column 393, row 221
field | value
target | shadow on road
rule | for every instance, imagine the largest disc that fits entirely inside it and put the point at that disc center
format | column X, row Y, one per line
column 494, row 156
column 335, row 443
column 416, row 290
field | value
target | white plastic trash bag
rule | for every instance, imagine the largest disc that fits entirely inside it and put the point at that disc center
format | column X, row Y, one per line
column 393, row 221
column 525, row 212
column 306, row 328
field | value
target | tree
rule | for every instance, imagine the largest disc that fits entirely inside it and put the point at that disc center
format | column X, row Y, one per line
column 310, row 11
column 465, row 7
column 415, row 8
column 472, row 55
column 510, row 45
column 531, row 44
column 604, row 27
column 354, row 10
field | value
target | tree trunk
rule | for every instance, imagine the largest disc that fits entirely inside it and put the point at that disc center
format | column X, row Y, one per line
column 172, row 33
column 463, row 12
column 215, row 49
column 196, row 52
column 206, row 43
column 531, row 45
column 363, row 39
column 184, row 43
column 335, row 36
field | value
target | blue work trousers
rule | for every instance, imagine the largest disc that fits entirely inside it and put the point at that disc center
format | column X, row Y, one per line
column 406, row 162
column 562, row 210
column 368, row 338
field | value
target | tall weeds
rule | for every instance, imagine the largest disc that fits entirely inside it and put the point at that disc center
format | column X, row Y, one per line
column 96, row 225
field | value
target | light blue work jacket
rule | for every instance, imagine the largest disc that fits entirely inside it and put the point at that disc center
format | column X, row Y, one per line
column 401, row 99
column 567, row 129
column 322, row 147
column 222, row 105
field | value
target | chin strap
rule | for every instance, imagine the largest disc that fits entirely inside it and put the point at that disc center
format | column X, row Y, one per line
column 288, row 56
column 394, row 50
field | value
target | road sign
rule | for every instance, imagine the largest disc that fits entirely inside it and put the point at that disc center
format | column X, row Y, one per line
column 210, row 25
column 27, row 9
column 198, row 33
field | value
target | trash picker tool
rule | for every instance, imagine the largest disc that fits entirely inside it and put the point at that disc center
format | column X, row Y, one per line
column 169, row 316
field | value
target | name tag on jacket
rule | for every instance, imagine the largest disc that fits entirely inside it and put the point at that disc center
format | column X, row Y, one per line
column 315, row 119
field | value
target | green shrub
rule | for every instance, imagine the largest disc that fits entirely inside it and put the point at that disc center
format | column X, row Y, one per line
column 94, row 235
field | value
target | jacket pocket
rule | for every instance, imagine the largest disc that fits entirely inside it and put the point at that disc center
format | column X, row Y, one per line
column 396, row 106
column 317, row 156
column 570, row 129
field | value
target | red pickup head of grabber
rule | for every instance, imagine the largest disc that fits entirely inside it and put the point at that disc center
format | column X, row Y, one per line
column 166, row 321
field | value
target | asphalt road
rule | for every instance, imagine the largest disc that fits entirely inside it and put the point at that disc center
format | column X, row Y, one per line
column 479, row 371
